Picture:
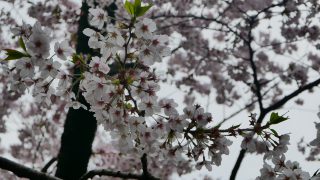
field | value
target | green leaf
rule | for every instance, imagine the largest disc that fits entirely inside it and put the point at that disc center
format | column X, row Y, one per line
column 137, row 3
column 14, row 54
column 129, row 7
column 22, row 45
column 75, row 58
column 236, row 126
column 135, row 9
column 276, row 119
column 128, row 106
column 274, row 132
column 116, row 82
column 130, row 80
column 142, row 10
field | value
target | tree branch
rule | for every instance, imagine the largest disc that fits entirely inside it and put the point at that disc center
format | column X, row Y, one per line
column 292, row 95
column 272, row 107
column 257, row 91
column 145, row 174
column 144, row 163
column 23, row 171
column 237, row 164
column 46, row 167
column 256, row 82
column 103, row 172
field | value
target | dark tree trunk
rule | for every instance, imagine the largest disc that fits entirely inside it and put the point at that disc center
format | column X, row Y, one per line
column 80, row 126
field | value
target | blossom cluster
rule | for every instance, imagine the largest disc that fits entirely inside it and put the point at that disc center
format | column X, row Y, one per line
column 286, row 169
column 125, row 102
column 282, row 170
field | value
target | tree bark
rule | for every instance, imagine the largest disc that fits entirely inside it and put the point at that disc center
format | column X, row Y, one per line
column 80, row 125
column 23, row 171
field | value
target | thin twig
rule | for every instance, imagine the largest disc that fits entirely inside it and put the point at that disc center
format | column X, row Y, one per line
column 49, row 163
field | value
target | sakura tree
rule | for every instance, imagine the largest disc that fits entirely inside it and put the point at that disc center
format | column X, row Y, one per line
column 100, row 79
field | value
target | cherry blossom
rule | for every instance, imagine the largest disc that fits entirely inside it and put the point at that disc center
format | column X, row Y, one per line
column 63, row 50
column 145, row 28
column 50, row 68
column 26, row 68
column 99, row 65
column 99, row 17
column 169, row 106
column 94, row 37
column 114, row 35
column 38, row 43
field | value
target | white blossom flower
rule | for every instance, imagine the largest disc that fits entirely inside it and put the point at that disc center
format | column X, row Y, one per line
column 248, row 143
column 201, row 117
column 148, row 136
column 220, row 146
column 39, row 42
column 207, row 164
column 189, row 111
column 146, row 90
column 267, row 173
column 107, row 48
column 114, row 36
column 159, row 40
column 149, row 106
column 296, row 174
column 168, row 106
column 279, row 162
column 177, row 123
column 99, row 64
column 64, row 80
column 116, row 114
column 50, row 68
column 43, row 92
column 94, row 38
column 99, row 17
column 63, row 50
column 24, row 30
column 96, row 88
column 26, row 67
column 149, row 56
column 282, row 147
column 136, row 123
column 145, row 28
column 300, row 174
